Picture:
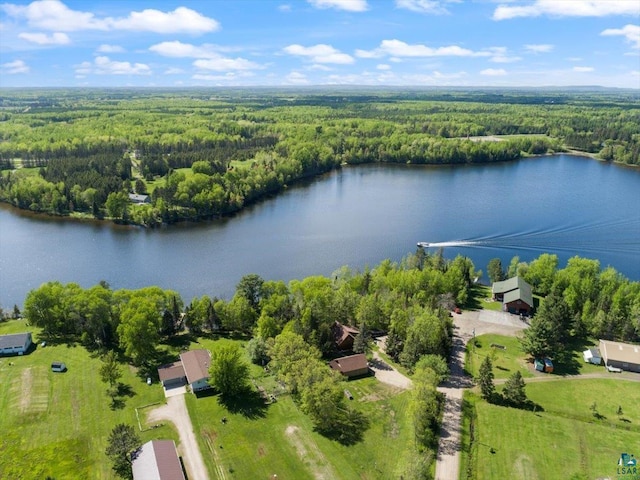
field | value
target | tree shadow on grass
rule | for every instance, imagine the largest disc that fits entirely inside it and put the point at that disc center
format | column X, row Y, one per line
column 498, row 399
column 125, row 390
column 249, row 404
column 347, row 428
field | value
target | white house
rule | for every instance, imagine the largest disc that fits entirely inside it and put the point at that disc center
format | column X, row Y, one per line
column 592, row 356
column 15, row 344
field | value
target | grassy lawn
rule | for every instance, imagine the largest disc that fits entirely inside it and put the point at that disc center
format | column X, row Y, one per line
column 562, row 440
column 505, row 361
column 258, row 441
column 57, row 424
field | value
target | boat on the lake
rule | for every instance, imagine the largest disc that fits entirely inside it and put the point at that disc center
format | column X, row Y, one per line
column 423, row 244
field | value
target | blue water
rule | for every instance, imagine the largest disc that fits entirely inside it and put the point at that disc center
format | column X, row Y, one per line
column 357, row 216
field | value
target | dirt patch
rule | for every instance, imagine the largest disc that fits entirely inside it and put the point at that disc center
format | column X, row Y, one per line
column 261, row 451
column 310, row 454
column 524, row 469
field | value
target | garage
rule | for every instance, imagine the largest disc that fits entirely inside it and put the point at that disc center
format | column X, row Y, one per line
column 172, row 375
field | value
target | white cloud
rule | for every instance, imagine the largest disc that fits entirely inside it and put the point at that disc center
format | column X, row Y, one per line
column 224, row 64
column 493, row 72
column 500, row 55
column 348, row 5
column 539, row 48
column 56, row 38
column 297, row 78
column 635, row 73
column 207, row 55
column 182, row 19
column 583, row 69
column 434, row 7
column 568, row 8
column 173, row 71
column 105, row 66
column 284, row 7
column 397, row 48
column 320, row 53
column 383, row 66
column 323, row 68
column 106, row 48
column 630, row 32
column 55, row 15
column 17, row 66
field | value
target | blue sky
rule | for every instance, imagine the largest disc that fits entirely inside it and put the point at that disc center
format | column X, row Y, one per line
column 50, row 43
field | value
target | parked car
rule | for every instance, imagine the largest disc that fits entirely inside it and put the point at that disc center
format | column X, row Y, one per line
column 58, row 367
column 613, row 369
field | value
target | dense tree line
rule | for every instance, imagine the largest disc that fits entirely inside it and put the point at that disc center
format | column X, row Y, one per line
column 256, row 144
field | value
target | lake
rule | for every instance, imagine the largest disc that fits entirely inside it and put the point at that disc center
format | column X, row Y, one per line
column 355, row 216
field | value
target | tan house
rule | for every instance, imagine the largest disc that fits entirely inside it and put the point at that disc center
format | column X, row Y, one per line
column 351, row 366
column 620, row 355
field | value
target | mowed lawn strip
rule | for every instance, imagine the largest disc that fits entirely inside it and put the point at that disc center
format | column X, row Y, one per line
column 561, row 440
column 57, row 424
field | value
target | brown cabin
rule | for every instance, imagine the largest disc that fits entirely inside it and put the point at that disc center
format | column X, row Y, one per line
column 343, row 336
column 351, row 366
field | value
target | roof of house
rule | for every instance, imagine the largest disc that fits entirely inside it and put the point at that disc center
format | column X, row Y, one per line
column 136, row 197
column 342, row 332
column 509, row 284
column 157, row 460
column 14, row 340
column 196, row 364
column 349, row 364
column 620, row 352
column 521, row 293
column 171, row 371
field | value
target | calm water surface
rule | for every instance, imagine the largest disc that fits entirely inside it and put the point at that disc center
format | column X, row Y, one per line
column 357, row 216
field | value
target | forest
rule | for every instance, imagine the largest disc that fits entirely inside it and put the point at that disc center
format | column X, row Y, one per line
column 207, row 153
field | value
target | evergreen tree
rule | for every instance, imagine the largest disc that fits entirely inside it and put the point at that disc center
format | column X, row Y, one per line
column 362, row 341
column 514, row 389
column 485, row 379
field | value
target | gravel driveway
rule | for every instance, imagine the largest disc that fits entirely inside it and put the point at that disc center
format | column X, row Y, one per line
column 176, row 411
column 466, row 325
column 385, row 373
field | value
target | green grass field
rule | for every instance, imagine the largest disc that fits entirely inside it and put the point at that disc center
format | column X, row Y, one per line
column 57, row 424
column 279, row 439
column 505, row 361
column 562, row 440
column 259, row 441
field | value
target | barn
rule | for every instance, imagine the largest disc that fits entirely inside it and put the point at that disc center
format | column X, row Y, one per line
column 351, row 366
column 621, row 355
column 15, row 344
column 515, row 295
column 157, row 460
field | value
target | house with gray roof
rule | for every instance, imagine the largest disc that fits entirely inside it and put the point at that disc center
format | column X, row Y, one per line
column 515, row 295
column 15, row 344
column 157, row 460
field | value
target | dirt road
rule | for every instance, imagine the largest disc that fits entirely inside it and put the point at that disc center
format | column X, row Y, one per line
column 385, row 373
column 176, row 411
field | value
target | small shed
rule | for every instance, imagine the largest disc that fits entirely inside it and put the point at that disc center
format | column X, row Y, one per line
column 592, row 356
column 351, row 366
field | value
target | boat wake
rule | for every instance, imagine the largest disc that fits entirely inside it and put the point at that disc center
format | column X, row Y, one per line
column 621, row 236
